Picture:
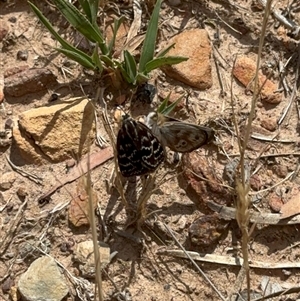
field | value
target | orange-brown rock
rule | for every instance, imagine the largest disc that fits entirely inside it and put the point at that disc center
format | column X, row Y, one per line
column 244, row 70
column 196, row 71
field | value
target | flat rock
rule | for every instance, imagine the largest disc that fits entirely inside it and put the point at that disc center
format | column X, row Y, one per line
column 14, row 70
column 79, row 208
column 196, row 71
column 43, row 281
column 244, row 70
column 207, row 230
column 198, row 174
column 28, row 81
column 84, row 254
column 56, row 132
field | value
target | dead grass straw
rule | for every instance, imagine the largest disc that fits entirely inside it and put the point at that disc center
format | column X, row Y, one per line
column 242, row 174
column 118, row 178
column 92, row 219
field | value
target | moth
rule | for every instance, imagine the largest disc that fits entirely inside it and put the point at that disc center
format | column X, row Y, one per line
column 139, row 152
column 179, row 136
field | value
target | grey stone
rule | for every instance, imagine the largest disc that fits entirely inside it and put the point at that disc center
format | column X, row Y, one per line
column 43, row 281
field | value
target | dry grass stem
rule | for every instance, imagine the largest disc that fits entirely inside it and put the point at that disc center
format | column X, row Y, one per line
column 242, row 175
column 24, row 173
column 9, row 235
column 92, row 220
column 118, row 178
column 148, row 186
column 294, row 93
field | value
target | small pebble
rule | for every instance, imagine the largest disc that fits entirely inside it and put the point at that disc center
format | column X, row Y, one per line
column 22, row 55
column 64, row 247
column 53, row 97
column 280, row 170
column 275, row 202
column 9, row 124
column 2, row 134
column 70, row 163
column 21, row 192
column 12, row 19
column 7, row 284
column 3, row 30
column 255, row 182
column 269, row 124
column 9, row 207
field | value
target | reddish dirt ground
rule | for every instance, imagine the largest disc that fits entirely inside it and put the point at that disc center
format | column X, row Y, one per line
column 137, row 267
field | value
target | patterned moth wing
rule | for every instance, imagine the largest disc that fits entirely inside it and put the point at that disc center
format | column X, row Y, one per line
column 179, row 136
column 139, row 151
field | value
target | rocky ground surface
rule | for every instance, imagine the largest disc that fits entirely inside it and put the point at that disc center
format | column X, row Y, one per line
column 48, row 125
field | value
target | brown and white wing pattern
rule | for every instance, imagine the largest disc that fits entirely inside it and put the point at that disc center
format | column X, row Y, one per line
column 179, row 136
column 139, row 151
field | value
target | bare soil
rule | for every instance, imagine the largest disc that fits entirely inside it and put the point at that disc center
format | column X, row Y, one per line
column 137, row 268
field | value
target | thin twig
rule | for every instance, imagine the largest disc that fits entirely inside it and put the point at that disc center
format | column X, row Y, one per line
column 229, row 213
column 92, row 220
column 110, row 133
column 28, row 175
column 294, row 94
column 281, row 293
column 5, row 241
column 233, row 29
column 228, row 260
column 270, row 139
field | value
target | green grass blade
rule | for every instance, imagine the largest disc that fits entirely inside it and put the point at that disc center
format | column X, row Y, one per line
column 96, row 60
column 62, row 41
column 163, row 105
column 142, row 78
column 108, row 61
column 161, row 61
column 86, row 8
column 117, row 24
column 81, row 23
column 51, row 29
column 90, row 8
column 121, row 69
column 150, row 39
column 75, row 56
column 49, row 26
column 94, row 7
column 130, row 66
column 167, row 110
column 165, row 51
